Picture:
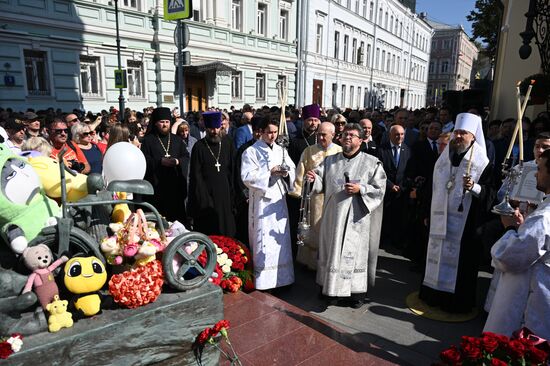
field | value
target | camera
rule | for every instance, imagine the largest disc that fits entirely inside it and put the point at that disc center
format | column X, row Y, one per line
column 76, row 166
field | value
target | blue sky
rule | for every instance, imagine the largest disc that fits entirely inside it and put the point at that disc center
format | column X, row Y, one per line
column 448, row 11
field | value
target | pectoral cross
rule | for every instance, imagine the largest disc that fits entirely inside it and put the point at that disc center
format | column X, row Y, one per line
column 166, row 155
column 218, row 165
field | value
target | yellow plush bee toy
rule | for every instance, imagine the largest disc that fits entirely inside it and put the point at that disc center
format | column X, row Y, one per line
column 84, row 277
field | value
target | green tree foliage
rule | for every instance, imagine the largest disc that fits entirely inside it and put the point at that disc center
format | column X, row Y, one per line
column 485, row 20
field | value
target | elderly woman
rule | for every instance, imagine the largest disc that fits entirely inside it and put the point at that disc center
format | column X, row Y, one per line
column 37, row 143
column 82, row 135
column 183, row 132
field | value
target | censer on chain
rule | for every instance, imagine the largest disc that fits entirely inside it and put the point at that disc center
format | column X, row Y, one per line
column 304, row 226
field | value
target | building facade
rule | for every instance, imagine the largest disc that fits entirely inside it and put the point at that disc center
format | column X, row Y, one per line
column 62, row 54
column 451, row 62
column 362, row 54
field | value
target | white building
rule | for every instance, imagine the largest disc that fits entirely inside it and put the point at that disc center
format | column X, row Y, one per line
column 362, row 53
column 62, row 53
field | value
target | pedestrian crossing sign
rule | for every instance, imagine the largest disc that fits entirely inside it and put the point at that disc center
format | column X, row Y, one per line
column 178, row 9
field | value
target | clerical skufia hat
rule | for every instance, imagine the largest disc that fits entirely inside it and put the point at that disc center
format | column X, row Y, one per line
column 212, row 119
column 161, row 114
column 311, row 111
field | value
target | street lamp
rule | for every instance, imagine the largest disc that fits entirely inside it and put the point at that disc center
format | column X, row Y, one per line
column 121, row 92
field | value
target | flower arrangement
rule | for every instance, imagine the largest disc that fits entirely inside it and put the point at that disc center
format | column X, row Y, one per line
column 210, row 336
column 10, row 345
column 135, row 242
column 233, row 269
column 495, row 350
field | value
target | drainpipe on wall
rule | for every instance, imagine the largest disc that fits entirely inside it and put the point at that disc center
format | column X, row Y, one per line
column 157, row 59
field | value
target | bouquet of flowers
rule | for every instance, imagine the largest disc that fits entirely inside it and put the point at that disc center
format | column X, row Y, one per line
column 495, row 350
column 234, row 267
column 135, row 242
column 10, row 345
column 210, row 336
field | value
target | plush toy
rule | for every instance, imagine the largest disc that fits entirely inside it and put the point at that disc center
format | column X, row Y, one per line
column 48, row 171
column 39, row 260
column 121, row 211
column 84, row 277
column 24, row 208
column 59, row 316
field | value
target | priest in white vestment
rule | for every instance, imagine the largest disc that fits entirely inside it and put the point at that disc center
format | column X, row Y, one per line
column 311, row 157
column 460, row 201
column 354, row 184
column 268, row 229
column 522, row 296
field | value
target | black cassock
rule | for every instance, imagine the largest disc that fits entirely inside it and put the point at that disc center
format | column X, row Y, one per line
column 170, row 183
column 211, row 191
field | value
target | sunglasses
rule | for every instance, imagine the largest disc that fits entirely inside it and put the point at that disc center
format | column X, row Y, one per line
column 89, row 133
column 340, row 123
column 59, row 131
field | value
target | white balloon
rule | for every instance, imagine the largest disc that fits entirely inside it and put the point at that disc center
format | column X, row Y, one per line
column 123, row 161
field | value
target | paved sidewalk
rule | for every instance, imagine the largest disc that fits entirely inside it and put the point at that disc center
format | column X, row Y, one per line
column 386, row 322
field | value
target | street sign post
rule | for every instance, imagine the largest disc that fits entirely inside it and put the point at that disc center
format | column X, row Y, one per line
column 120, row 79
column 178, row 9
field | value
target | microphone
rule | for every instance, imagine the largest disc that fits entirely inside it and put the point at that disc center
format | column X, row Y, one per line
column 346, row 177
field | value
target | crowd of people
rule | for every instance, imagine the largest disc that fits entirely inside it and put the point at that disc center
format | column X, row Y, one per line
column 422, row 182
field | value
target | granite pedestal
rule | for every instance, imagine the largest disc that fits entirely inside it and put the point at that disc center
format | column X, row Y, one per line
column 159, row 333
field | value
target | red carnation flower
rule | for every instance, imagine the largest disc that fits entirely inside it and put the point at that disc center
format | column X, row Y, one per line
column 204, row 336
column 450, row 356
column 497, row 362
column 489, row 344
column 471, row 350
column 537, row 356
column 221, row 325
column 5, row 350
column 516, row 349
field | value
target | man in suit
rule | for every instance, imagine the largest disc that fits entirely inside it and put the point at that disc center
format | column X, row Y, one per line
column 244, row 133
column 420, row 169
column 407, row 121
column 368, row 145
column 395, row 156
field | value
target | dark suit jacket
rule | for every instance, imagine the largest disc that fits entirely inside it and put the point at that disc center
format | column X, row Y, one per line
column 422, row 160
column 395, row 174
column 242, row 135
column 370, row 148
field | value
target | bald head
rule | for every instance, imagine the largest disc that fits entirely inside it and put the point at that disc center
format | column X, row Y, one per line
column 367, row 127
column 247, row 118
column 397, row 134
column 325, row 134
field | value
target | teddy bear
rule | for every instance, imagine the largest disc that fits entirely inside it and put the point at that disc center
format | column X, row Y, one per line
column 59, row 316
column 39, row 259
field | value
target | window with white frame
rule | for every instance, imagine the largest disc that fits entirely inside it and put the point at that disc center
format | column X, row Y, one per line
column 396, row 26
column 130, row 4
column 319, row 39
column 283, row 25
column 236, row 15
column 135, row 79
column 380, row 15
column 351, row 94
column 260, row 86
column 343, row 97
column 36, row 72
column 398, row 66
column 361, row 56
column 445, row 66
column 391, row 23
column 334, row 94
column 90, row 77
column 365, row 8
column 369, row 48
column 261, row 19
column 356, row 6
column 346, row 47
column 359, row 94
column 354, row 51
column 386, row 21
column 336, row 44
column 377, row 58
column 446, row 44
column 393, row 64
column 236, row 85
column 281, row 80
column 371, row 11
column 388, row 63
column 383, row 64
